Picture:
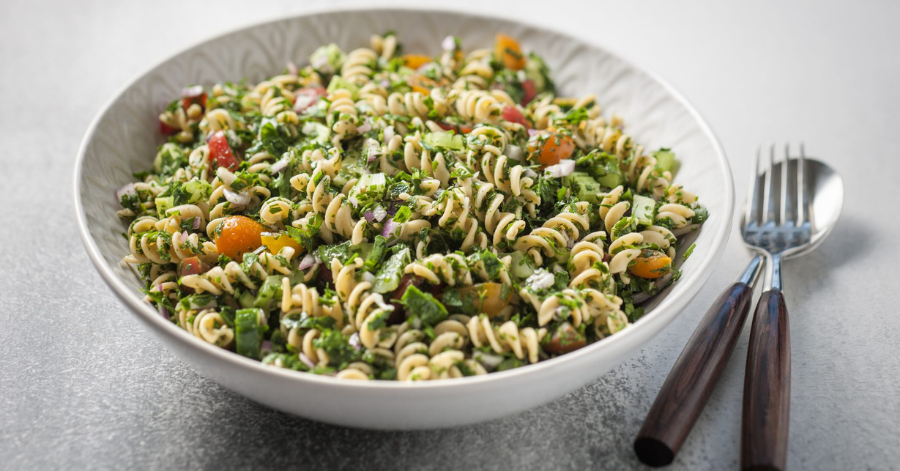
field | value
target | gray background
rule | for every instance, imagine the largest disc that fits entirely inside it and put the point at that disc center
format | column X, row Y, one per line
column 83, row 385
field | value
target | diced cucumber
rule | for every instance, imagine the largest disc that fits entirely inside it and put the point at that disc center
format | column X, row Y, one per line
column 246, row 300
column 338, row 83
column 665, row 161
column 363, row 250
column 322, row 133
column 521, row 266
column 163, row 204
column 445, row 139
column 536, row 70
column 583, row 185
column 248, row 334
column 610, row 180
column 388, row 277
column 369, row 188
column 643, row 209
column 270, row 290
column 197, row 190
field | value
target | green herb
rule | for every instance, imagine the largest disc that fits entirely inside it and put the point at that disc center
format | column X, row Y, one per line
column 402, row 215
column 428, row 309
column 688, row 252
column 337, row 346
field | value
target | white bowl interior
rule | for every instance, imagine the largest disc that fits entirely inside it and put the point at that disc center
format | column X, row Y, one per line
column 125, row 135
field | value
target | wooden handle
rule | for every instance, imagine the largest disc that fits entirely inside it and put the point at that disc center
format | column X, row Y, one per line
column 692, row 379
column 767, row 387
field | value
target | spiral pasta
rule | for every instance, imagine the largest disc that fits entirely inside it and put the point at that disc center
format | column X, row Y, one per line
column 385, row 216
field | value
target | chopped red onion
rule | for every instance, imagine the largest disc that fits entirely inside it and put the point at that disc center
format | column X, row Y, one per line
column 562, row 169
column 388, row 133
column 307, row 262
column 183, row 237
column 379, row 213
column 489, row 361
column 385, row 83
column 196, row 225
column 164, row 311
column 373, row 149
column 448, row 44
column 304, row 101
column 278, row 166
column 534, row 132
column 292, row 68
column 353, row 201
column 354, row 341
column 513, row 152
column 125, row 190
column 320, row 62
column 192, row 92
column 306, row 361
column 266, row 346
column 389, row 228
column 366, row 127
column 392, row 209
column 369, row 215
column 240, row 199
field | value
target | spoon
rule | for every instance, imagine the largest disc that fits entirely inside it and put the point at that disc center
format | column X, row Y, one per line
column 793, row 223
column 698, row 368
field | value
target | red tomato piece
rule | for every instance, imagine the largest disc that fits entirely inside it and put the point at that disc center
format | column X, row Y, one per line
column 166, row 129
column 192, row 95
column 460, row 129
column 512, row 114
column 192, row 266
column 220, row 152
column 530, row 91
column 200, row 100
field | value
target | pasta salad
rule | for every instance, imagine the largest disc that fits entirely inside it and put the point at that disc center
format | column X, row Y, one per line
column 385, row 215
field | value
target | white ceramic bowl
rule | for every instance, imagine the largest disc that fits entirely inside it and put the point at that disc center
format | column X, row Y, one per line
column 123, row 139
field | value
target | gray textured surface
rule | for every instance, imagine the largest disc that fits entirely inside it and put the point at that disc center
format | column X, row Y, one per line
column 83, row 385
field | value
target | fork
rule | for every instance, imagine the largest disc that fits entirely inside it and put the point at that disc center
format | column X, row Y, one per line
column 776, row 227
column 782, row 229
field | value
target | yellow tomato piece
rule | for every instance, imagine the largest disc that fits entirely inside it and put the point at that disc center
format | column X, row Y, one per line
column 651, row 264
column 492, row 302
column 507, row 51
column 421, row 83
column 552, row 149
column 277, row 241
column 238, row 235
column 414, row 61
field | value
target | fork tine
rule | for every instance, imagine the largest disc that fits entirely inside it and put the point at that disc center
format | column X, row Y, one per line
column 768, row 199
column 751, row 215
column 785, row 167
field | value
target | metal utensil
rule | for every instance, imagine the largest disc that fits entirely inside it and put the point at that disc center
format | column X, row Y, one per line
column 698, row 368
column 800, row 203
